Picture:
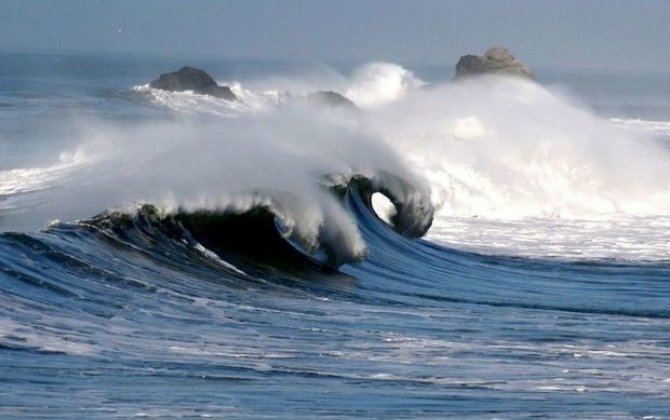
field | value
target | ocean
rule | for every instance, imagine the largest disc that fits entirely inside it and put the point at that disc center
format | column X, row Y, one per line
column 484, row 248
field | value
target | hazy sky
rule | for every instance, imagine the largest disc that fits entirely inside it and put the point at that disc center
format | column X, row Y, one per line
column 566, row 33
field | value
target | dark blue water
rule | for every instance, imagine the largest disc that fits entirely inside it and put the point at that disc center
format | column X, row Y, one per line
column 129, row 316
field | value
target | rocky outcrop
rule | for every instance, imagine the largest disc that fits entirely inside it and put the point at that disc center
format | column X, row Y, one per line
column 496, row 60
column 193, row 79
column 330, row 99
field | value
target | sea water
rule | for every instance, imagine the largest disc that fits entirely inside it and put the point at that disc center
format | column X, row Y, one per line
column 174, row 255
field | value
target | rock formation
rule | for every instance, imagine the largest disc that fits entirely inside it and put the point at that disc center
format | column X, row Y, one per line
column 496, row 60
column 190, row 78
column 330, row 99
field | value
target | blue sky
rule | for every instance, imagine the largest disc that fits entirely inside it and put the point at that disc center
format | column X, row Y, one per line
column 566, row 33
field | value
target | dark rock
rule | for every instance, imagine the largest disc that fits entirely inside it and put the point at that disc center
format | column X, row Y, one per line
column 496, row 60
column 331, row 99
column 190, row 78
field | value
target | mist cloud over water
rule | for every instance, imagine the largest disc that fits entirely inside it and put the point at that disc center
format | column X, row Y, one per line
column 286, row 160
column 510, row 148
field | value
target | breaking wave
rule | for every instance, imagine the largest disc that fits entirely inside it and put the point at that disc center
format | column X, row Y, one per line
column 491, row 149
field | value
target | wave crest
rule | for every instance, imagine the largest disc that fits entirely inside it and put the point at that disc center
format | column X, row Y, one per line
column 275, row 229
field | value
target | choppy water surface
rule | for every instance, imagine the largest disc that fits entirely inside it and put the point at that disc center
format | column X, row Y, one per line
column 257, row 281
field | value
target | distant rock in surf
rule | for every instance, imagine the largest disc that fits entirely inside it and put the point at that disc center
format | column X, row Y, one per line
column 191, row 78
column 496, row 60
column 330, row 99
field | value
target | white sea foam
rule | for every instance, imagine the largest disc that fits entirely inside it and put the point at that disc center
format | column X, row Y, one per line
column 518, row 169
column 46, row 339
column 378, row 84
column 190, row 102
column 661, row 128
column 508, row 148
column 623, row 237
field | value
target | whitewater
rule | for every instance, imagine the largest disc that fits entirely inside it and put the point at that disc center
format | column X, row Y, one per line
column 483, row 247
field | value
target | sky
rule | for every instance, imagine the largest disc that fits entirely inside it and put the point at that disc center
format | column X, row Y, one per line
column 599, row 34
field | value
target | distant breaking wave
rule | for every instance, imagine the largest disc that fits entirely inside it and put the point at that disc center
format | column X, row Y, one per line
column 661, row 128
